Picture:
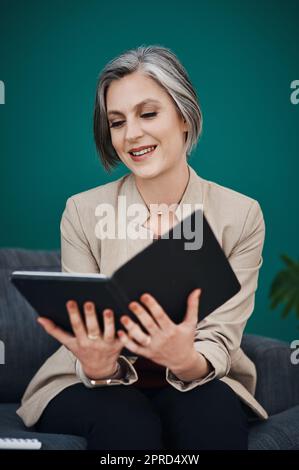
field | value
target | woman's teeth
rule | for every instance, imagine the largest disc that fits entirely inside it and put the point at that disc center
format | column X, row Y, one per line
column 142, row 152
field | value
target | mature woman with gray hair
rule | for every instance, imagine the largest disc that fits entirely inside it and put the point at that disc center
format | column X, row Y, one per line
column 179, row 386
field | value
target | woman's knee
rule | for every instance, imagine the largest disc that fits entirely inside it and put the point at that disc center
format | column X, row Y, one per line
column 200, row 398
column 124, row 419
column 109, row 417
column 207, row 417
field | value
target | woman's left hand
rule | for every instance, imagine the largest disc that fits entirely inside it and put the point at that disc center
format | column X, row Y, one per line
column 166, row 343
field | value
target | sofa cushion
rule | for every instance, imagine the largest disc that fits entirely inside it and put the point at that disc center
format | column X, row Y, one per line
column 11, row 426
column 277, row 378
column 279, row 432
column 26, row 344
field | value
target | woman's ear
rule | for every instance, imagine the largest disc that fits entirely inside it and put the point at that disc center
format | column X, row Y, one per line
column 185, row 125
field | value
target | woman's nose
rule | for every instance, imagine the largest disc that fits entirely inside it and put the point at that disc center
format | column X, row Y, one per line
column 133, row 130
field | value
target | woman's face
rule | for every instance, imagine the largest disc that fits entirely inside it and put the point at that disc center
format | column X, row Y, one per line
column 154, row 123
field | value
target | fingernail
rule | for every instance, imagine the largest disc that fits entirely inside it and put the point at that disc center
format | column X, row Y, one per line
column 133, row 304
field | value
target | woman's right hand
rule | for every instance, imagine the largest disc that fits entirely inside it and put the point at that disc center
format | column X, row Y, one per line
column 97, row 352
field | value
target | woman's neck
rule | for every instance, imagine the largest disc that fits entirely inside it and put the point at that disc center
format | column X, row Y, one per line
column 167, row 188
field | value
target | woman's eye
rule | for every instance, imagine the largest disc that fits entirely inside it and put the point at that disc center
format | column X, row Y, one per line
column 118, row 123
column 149, row 114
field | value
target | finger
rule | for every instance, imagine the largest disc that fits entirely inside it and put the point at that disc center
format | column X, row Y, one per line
column 134, row 330
column 191, row 316
column 129, row 344
column 160, row 316
column 144, row 317
column 91, row 320
column 54, row 330
column 76, row 320
column 109, row 327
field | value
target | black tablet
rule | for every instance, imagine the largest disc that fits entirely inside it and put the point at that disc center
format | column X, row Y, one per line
column 165, row 269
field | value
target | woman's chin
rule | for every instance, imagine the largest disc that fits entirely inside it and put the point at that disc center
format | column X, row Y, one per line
column 146, row 171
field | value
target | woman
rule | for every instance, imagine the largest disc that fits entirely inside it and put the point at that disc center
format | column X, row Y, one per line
column 147, row 116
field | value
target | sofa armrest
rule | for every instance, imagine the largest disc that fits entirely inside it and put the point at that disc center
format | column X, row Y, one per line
column 277, row 378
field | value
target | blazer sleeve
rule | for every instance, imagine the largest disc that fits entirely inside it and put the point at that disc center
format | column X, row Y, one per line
column 76, row 256
column 126, row 376
column 219, row 334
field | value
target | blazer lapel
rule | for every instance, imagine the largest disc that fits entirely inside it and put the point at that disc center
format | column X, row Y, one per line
column 192, row 199
column 117, row 251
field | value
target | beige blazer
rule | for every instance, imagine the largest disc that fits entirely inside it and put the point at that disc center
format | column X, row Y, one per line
column 238, row 224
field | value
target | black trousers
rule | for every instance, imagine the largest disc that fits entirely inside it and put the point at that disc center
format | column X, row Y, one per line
column 124, row 417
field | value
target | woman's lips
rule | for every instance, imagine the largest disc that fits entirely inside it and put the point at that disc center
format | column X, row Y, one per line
column 140, row 158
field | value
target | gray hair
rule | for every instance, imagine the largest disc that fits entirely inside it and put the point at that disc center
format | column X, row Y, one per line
column 160, row 64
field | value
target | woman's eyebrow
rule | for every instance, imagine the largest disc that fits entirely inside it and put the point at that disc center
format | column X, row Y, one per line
column 138, row 105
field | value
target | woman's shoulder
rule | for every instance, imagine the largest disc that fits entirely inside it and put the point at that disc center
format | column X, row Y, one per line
column 105, row 193
column 226, row 201
column 218, row 192
column 232, row 214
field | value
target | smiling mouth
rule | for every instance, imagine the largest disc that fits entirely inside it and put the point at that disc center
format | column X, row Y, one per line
column 143, row 152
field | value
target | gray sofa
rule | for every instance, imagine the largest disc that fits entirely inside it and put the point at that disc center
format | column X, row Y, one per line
column 27, row 346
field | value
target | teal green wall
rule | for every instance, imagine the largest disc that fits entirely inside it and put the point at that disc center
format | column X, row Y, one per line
column 241, row 56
